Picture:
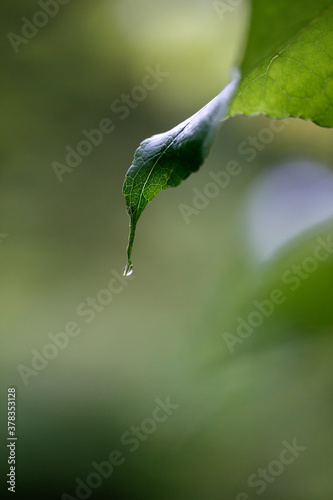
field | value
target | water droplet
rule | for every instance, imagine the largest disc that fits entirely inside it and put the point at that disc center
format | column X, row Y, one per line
column 128, row 270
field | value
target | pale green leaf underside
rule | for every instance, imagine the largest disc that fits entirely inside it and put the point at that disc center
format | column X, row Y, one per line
column 296, row 78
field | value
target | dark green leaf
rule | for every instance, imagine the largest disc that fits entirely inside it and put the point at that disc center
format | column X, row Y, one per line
column 165, row 160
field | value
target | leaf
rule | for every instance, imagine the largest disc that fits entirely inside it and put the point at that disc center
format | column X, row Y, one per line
column 287, row 71
column 165, row 160
column 287, row 67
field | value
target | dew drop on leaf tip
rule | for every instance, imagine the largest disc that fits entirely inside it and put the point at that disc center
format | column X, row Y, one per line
column 128, row 270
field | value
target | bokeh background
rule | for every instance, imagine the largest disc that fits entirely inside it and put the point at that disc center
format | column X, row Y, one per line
column 164, row 334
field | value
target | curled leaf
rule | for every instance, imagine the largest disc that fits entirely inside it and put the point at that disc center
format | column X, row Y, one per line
column 165, row 160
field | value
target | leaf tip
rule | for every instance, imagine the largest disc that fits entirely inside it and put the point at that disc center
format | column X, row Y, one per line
column 128, row 270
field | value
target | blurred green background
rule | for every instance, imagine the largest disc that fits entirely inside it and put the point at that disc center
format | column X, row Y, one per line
column 164, row 334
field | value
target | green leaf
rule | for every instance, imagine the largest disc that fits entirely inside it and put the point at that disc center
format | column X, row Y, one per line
column 287, row 68
column 165, row 160
column 287, row 71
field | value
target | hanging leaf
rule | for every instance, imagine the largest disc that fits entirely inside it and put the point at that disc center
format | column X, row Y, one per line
column 165, row 160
